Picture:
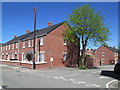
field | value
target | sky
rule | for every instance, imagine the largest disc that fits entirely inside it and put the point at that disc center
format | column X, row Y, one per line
column 17, row 17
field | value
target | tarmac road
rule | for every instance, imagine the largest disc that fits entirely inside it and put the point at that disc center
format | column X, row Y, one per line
column 16, row 77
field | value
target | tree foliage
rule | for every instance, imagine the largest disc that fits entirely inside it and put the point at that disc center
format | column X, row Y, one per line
column 88, row 25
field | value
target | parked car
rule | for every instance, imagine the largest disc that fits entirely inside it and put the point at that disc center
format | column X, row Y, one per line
column 117, row 68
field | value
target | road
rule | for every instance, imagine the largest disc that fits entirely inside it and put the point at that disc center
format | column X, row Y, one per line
column 16, row 77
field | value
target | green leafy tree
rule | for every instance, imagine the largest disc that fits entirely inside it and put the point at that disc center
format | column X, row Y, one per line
column 88, row 25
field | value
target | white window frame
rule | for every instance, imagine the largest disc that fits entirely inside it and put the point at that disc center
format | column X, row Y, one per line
column 41, row 41
column 16, row 45
column 6, row 47
column 64, row 57
column 64, row 42
column 23, row 44
column 42, row 57
column 13, row 46
column 29, row 43
column 41, row 53
column 9, row 47
column 103, row 54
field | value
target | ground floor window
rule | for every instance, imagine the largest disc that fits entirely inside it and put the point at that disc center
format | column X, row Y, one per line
column 41, row 57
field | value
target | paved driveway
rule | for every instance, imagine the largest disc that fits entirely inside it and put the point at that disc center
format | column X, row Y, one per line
column 15, row 77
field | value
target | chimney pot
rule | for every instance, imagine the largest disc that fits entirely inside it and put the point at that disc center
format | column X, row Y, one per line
column 15, row 36
column 27, row 31
column 49, row 24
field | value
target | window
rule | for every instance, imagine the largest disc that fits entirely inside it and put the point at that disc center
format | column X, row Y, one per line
column 9, row 47
column 64, row 56
column 16, row 45
column 42, row 57
column 29, row 43
column 41, row 40
column 103, row 54
column 6, row 47
column 12, row 46
column 65, row 42
column 23, row 44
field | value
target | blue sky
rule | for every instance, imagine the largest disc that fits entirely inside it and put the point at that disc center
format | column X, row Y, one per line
column 18, row 17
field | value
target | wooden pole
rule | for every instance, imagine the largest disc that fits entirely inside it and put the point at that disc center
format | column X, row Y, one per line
column 34, row 39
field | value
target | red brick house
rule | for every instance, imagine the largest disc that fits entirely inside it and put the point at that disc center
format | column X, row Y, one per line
column 50, row 45
column 106, row 55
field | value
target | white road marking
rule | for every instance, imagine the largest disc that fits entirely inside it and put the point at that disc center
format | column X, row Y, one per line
column 103, row 77
column 55, row 77
column 75, row 82
column 61, row 77
column 0, row 87
column 89, row 85
column 107, row 85
column 71, row 79
column 96, row 85
column 81, row 82
column 64, row 79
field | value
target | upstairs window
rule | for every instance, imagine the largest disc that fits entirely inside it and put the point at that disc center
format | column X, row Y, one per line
column 23, row 44
column 9, row 47
column 29, row 43
column 103, row 54
column 41, row 40
column 13, row 46
column 16, row 45
column 6, row 47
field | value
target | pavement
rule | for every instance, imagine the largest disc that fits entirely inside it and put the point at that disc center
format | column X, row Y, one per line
column 16, row 77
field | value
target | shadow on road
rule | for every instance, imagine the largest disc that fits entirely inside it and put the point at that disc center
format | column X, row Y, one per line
column 110, row 74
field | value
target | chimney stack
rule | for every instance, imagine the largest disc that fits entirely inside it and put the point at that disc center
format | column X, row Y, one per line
column 49, row 24
column 15, row 36
column 27, row 31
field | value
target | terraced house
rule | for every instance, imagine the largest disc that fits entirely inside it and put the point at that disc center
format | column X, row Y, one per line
column 51, row 50
column 49, row 46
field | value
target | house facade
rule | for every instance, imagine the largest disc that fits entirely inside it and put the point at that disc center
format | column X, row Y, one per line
column 106, row 55
column 50, row 48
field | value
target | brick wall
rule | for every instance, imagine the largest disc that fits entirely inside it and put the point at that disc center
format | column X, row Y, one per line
column 53, row 47
column 107, row 58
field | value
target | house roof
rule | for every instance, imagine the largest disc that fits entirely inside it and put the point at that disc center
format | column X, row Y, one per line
column 112, row 49
column 40, row 32
column 43, row 31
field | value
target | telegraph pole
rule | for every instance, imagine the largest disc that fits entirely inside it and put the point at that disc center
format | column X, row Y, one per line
column 33, row 67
